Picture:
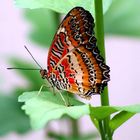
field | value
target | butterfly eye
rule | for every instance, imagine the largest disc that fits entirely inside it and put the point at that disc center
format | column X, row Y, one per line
column 43, row 73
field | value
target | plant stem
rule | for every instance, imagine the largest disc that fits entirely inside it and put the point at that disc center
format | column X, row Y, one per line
column 75, row 130
column 101, row 130
column 100, row 41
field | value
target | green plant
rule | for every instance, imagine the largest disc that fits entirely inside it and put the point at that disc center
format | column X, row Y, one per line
column 45, row 107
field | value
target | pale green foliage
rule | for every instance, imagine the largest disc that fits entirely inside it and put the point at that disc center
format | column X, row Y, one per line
column 61, row 6
column 45, row 107
column 123, row 17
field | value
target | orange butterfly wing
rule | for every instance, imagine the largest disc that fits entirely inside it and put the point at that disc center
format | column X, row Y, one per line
column 74, row 58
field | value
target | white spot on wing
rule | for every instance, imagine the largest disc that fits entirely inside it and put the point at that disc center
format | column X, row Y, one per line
column 61, row 29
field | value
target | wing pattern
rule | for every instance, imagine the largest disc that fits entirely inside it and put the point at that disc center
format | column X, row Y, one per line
column 74, row 61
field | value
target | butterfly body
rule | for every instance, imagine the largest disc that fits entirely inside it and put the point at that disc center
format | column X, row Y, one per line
column 74, row 62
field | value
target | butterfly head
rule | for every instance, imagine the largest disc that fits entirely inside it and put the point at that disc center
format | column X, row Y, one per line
column 44, row 74
column 50, row 78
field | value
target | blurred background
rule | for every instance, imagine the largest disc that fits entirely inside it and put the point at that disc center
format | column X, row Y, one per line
column 35, row 29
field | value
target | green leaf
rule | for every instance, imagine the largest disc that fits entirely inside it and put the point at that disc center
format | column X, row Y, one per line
column 44, row 25
column 123, row 18
column 125, row 112
column 101, row 112
column 45, row 107
column 130, row 108
column 104, row 111
column 62, row 6
column 93, row 118
column 95, row 121
column 11, row 116
column 119, row 119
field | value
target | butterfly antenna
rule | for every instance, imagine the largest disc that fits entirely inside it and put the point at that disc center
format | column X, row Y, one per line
column 32, row 57
column 22, row 68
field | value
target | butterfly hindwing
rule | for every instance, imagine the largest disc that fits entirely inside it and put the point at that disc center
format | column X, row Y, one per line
column 74, row 58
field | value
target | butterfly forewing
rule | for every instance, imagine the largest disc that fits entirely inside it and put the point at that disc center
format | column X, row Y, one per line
column 74, row 61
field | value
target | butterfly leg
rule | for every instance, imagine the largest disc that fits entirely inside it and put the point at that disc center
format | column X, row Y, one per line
column 66, row 104
column 44, row 85
column 53, row 89
column 40, row 90
column 68, row 100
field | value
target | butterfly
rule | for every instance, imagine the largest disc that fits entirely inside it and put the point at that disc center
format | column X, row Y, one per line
column 74, row 62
